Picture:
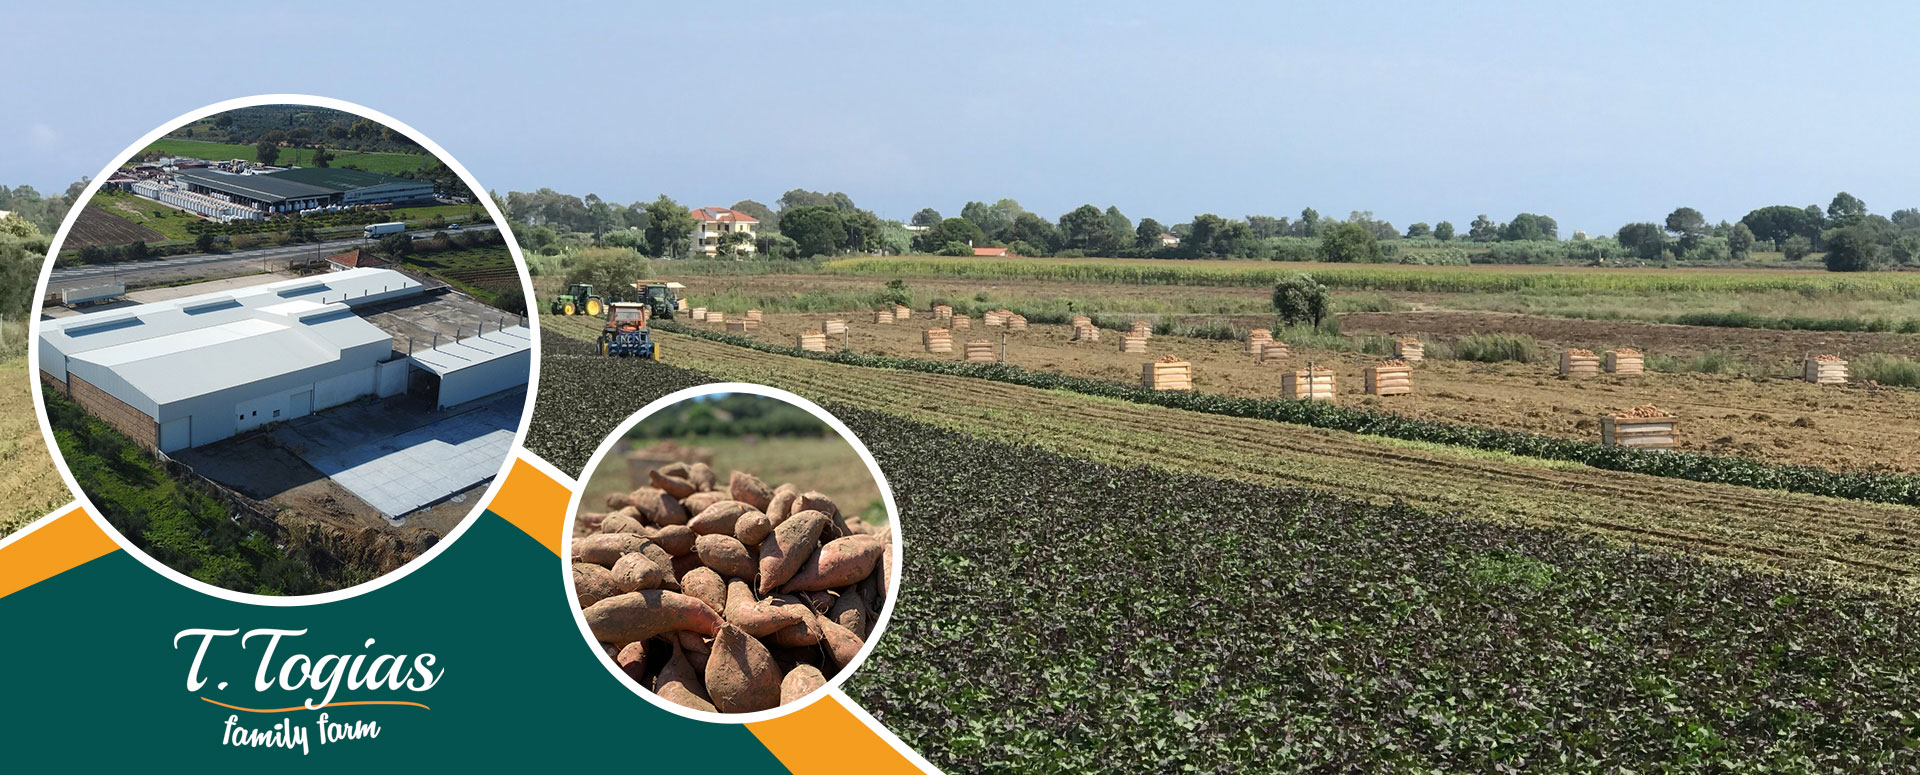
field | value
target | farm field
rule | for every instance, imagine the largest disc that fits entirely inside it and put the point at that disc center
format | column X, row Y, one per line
column 29, row 483
column 388, row 163
column 99, row 226
column 1777, row 419
column 484, row 272
column 1850, row 541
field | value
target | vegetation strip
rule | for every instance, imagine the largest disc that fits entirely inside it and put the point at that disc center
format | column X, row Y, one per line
column 1871, row 486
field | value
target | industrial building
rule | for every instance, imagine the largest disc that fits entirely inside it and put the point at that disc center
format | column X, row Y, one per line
column 192, row 371
column 256, row 195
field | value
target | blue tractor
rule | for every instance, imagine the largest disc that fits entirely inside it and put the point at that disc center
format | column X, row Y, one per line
column 626, row 334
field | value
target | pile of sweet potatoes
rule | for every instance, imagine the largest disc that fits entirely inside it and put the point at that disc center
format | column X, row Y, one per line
column 729, row 597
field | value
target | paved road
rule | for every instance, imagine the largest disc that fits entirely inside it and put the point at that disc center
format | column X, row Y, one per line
column 178, row 268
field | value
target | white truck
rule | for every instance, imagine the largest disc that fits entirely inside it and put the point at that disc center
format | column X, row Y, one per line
column 376, row 230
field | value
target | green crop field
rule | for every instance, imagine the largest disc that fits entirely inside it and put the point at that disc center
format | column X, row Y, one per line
column 1387, row 277
column 388, row 163
column 166, row 219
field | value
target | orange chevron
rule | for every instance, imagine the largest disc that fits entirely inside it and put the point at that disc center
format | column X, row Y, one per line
column 57, row 546
column 535, row 503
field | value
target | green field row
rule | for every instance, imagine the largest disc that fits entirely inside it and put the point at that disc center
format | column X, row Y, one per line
column 388, row 163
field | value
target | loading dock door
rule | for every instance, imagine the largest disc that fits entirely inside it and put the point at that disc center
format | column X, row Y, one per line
column 176, row 434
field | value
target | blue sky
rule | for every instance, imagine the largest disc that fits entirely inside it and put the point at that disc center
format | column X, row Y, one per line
column 1596, row 115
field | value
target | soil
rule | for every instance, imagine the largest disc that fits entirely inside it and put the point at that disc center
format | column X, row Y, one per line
column 30, row 486
column 1752, row 343
column 1853, row 427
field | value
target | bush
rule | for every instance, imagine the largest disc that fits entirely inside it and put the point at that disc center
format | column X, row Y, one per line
column 1796, row 248
column 955, row 249
column 1349, row 243
column 1892, row 370
column 1853, row 249
column 1300, row 299
column 1494, row 348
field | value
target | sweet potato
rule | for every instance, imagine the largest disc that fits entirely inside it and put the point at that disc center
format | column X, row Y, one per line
column 850, row 611
column 686, row 562
column 781, row 505
column 647, row 613
column 680, row 684
column 741, row 676
column 701, row 475
column 677, row 540
column 748, row 489
column 759, row 618
column 632, row 660
column 817, row 501
column 618, row 500
column 590, row 521
column 719, row 518
column 699, row 501
column 660, row 557
column 782, row 553
column 623, row 522
column 658, row 507
column 806, row 633
column 592, row 584
column 801, row 681
column 676, row 468
column 752, row 528
column 726, row 556
column 837, row 563
column 605, row 549
column 636, row 571
column 706, row 585
column 842, row 644
column 673, row 485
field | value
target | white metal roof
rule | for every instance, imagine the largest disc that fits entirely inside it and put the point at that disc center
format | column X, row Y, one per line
column 474, row 350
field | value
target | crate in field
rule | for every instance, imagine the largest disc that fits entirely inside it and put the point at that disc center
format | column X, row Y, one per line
column 813, row 341
column 1257, row 340
column 883, row 317
column 1086, row 333
column 937, row 340
column 1143, row 328
column 980, row 351
column 1315, row 384
column 1016, row 322
column 750, row 324
column 699, row 314
column 681, row 304
column 1271, row 352
column 1166, row 373
column 960, row 323
column 716, row 317
column 737, row 326
column 1080, row 320
column 1575, row 362
column 834, row 326
column 1825, row 370
column 754, row 315
column 994, row 317
column 1133, row 342
column 943, row 311
column 1409, row 349
column 1626, row 360
column 902, row 312
column 1391, row 378
column 1642, row 427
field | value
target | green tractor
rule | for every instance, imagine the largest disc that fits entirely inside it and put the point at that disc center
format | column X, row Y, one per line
column 578, row 300
column 659, row 300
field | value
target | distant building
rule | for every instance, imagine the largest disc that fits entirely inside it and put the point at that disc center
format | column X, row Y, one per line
column 994, row 252
column 1168, row 240
column 301, row 188
column 354, row 259
column 712, row 224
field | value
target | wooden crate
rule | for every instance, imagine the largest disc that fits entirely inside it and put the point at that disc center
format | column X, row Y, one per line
column 883, row 317
column 1831, row 371
column 754, row 315
column 1081, row 320
column 716, row 317
column 1626, row 362
column 699, row 314
column 1639, row 432
column 1167, row 375
column 736, row 326
column 1257, row 340
column 1579, row 364
column 981, row 351
column 1143, row 328
column 1131, row 342
column 902, row 312
column 1272, row 352
column 813, row 341
column 1409, row 350
column 834, row 326
column 1016, row 322
column 681, row 304
column 1389, row 380
column 1315, row 384
column 1086, row 333
column 750, row 324
column 937, row 340
column 943, row 311
column 960, row 323
column 993, row 317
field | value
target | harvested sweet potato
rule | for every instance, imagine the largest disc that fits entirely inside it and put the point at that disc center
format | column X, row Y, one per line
column 756, row 617
column 660, row 557
column 741, row 676
column 837, row 563
column 781, row 505
column 682, row 685
column 782, row 553
column 748, row 489
column 637, row 571
column 686, row 562
column 623, row 522
column 699, row 501
column 592, row 584
column 673, row 485
column 605, row 549
column 632, row 660
column 752, row 528
column 726, row 556
column 647, row 613
column 701, row 475
column 675, row 539
column 703, row 583
column 801, row 681
column 850, row 611
column 720, row 518
column 806, row 633
column 658, row 507
column 842, row 644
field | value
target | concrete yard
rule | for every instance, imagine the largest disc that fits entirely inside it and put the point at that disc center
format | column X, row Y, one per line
column 399, row 472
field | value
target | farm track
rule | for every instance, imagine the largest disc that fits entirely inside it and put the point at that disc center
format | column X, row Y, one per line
column 1852, row 542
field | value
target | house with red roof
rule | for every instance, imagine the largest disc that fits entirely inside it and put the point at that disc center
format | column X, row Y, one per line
column 353, row 259
column 994, row 252
column 713, row 225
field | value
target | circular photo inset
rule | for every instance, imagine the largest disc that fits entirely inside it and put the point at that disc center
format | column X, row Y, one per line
column 733, row 552
column 283, row 349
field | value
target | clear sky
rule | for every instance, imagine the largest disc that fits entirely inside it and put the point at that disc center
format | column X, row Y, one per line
column 1596, row 115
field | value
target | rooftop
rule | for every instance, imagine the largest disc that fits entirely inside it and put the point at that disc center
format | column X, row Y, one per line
column 336, row 178
column 717, row 214
column 475, row 350
column 268, row 188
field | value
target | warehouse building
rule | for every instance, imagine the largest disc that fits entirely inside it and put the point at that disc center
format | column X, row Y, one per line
column 357, row 187
column 192, row 371
column 298, row 189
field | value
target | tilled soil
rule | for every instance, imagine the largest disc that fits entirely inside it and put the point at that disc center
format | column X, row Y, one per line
column 1756, row 344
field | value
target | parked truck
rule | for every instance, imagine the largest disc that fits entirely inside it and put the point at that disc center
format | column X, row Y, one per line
column 378, row 230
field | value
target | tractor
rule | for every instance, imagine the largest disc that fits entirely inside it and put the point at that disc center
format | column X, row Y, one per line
column 659, row 300
column 626, row 334
column 578, row 300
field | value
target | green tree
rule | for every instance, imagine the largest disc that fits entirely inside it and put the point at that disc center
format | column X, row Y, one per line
column 266, row 152
column 769, row 220
column 1846, row 210
column 1853, row 249
column 1528, row 227
column 1797, row 247
column 1642, row 239
column 1085, row 229
column 1688, row 227
column 1146, row 236
column 1740, row 242
column 669, row 228
column 205, row 242
column 1776, row 223
column 1205, row 234
column 1483, row 229
column 951, row 230
column 926, row 217
column 1349, row 242
column 817, row 230
column 1443, row 231
column 1300, row 299
column 1418, row 230
column 321, row 158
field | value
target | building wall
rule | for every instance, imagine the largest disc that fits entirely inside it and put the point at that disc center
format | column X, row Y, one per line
column 218, row 415
column 132, row 422
column 484, row 379
column 388, row 192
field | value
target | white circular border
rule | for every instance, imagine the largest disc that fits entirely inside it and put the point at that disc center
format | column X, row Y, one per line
column 619, row 434
column 60, row 238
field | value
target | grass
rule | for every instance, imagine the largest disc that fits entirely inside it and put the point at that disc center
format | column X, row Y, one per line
column 1494, row 348
column 1768, row 309
column 386, row 163
column 166, row 219
column 1891, row 370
